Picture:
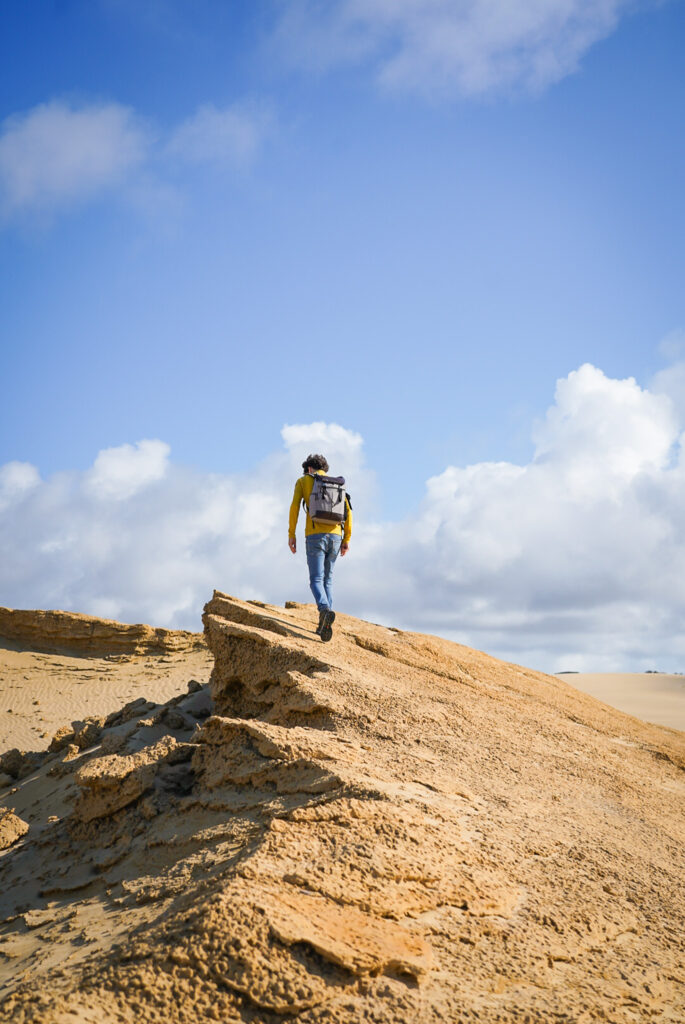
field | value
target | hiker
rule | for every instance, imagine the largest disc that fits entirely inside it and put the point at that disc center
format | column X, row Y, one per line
column 327, row 533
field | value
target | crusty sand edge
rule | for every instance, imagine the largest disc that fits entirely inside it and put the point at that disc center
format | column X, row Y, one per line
column 71, row 632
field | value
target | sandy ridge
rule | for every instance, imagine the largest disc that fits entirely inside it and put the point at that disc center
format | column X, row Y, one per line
column 387, row 827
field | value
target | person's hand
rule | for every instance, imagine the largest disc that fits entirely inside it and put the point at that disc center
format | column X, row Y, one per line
column 292, row 544
column 344, row 547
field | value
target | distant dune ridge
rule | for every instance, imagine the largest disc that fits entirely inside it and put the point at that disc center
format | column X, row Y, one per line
column 85, row 634
column 389, row 827
column 657, row 697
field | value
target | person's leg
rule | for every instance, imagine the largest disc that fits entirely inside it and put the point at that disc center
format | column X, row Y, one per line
column 315, row 546
column 332, row 547
column 333, row 543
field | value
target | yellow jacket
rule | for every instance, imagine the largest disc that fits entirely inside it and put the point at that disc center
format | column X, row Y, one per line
column 303, row 491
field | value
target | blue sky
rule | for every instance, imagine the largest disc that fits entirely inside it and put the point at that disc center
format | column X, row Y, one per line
column 220, row 219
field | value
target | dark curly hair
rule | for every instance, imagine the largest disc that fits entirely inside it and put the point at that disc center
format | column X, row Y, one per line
column 315, row 462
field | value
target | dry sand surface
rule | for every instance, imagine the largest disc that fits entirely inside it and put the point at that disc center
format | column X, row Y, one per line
column 57, row 667
column 389, row 828
column 652, row 696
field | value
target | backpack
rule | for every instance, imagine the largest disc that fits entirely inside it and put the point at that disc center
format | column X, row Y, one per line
column 327, row 500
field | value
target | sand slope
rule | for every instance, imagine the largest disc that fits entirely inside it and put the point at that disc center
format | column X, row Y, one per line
column 40, row 692
column 389, row 827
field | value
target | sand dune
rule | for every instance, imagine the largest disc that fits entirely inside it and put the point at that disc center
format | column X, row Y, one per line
column 652, row 696
column 389, row 827
column 56, row 667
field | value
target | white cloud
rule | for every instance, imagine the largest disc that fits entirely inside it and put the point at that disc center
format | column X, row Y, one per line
column 119, row 473
column 229, row 136
column 142, row 539
column 17, row 479
column 672, row 345
column 56, row 153
column 671, row 380
column 624, row 429
column 468, row 47
column 335, row 439
column 574, row 560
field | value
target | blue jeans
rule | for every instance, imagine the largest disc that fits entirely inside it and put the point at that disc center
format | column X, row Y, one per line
column 322, row 551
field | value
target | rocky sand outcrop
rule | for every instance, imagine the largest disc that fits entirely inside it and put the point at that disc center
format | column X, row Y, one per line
column 56, row 631
column 387, row 828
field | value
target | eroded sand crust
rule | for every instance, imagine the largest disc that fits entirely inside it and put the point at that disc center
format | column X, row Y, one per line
column 85, row 634
column 389, row 827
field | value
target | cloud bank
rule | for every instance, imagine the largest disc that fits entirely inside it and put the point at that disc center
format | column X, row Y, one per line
column 446, row 47
column 574, row 560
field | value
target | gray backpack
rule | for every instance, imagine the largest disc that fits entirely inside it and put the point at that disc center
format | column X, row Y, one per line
column 327, row 501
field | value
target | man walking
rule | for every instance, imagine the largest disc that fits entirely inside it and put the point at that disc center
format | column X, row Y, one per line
column 326, row 535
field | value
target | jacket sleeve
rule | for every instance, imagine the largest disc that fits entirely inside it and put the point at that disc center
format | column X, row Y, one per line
column 295, row 509
column 347, row 531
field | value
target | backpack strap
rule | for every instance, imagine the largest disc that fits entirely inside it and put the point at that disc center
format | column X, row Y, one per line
column 305, row 506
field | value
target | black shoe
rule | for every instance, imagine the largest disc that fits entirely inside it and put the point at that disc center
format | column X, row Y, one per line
column 327, row 626
column 318, row 628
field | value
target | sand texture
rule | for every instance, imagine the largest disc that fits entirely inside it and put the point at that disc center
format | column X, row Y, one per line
column 389, row 828
column 60, row 667
column 84, row 634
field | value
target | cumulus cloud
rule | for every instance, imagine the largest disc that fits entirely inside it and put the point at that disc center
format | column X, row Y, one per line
column 140, row 538
column 119, row 473
column 573, row 560
column 58, row 154
column 335, row 439
column 16, row 480
column 468, row 47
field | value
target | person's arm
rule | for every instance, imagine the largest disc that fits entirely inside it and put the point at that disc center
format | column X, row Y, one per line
column 294, row 514
column 347, row 530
